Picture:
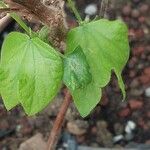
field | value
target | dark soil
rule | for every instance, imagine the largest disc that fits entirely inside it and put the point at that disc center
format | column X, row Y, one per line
column 111, row 117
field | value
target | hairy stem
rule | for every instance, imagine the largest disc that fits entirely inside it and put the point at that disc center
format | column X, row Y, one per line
column 15, row 17
column 58, row 122
column 21, row 23
column 4, row 22
column 104, row 8
column 72, row 6
column 49, row 16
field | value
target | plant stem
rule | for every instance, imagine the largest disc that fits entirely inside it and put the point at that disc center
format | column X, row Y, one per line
column 58, row 122
column 20, row 22
column 17, row 19
column 104, row 8
column 72, row 6
column 4, row 22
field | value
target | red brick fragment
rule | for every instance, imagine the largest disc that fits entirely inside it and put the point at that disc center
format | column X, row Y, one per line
column 135, row 104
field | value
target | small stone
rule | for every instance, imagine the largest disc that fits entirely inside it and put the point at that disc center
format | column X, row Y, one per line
column 130, row 127
column 104, row 101
column 135, row 104
column 141, row 122
column 147, row 142
column 144, row 8
column 135, row 13
column 134, row 83
column 104, row 136
column 80, row 139
column 25, row 127
column 77, row 127
column 4, row 125
column 124, row 112
column 138, row 50
column 129, row 136
column 131, row 124
column 136, row 92
column 34, row 143
column 118, row 128
column 102, row 124
column 72, row 113
column 91, row 9
column 144, row 79
column 126, row 10
column 118, row 138
column 147, row 71
column 148, row 114
column 147, row 92
column 139, row 34
column 142, row 19
column 94, row 130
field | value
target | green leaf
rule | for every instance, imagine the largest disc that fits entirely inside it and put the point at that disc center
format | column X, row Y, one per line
column 31, row 72
column 44, row 33
column 76, row 70
column 2, row 4
column 105, row 44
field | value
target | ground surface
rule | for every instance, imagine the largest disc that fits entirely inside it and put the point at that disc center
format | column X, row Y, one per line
column 113, row 123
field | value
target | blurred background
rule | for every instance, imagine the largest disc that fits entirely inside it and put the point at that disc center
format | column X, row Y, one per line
column 113, row 123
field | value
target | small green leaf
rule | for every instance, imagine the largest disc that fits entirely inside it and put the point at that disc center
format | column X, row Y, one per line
column 2, row 4
column 76, row 70
column 105, row 45
column 30, row 72
column 43, row 34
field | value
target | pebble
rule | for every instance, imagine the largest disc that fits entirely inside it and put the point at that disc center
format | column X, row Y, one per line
column 80, row 139
column 4, row 125
column 72, row 113
column 118, row 128
column 77, row 127
column 124, row 112
column 134, row 83
column 135, row 13
column 144, row 8
column 144, row 79
column 129, row 136
column 137, row 92
column 91, row 9
column 142, row 19
column 147, row 92
column 130, row 127
column 118, row 138
column 147, row 71
column 104, row 136
column 137, row 51
column 127, row 10
column 135, row 104
column 102, row 124
column 34, row 143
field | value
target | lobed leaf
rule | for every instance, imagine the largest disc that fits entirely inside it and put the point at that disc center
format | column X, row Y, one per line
column 30, row 72
column 105, row 45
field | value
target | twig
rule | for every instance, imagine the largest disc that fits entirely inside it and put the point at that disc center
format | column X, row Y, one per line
column 48, row 15
column 7, row 10
column 104, row 8
column 59, row 122
column 4, row 22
